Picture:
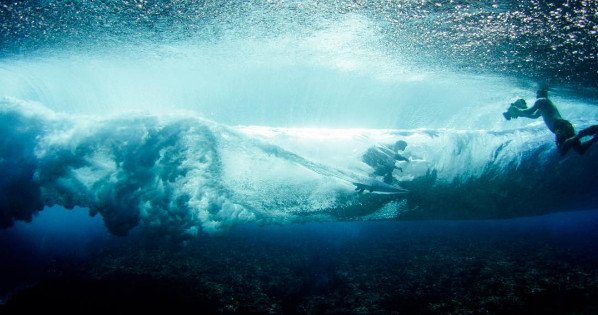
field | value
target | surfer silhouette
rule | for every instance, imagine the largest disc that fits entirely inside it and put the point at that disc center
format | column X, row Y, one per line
column 382, row 159
column 563, row 129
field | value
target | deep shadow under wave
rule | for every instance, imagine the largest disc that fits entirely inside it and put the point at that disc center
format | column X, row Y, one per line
column 543, row 264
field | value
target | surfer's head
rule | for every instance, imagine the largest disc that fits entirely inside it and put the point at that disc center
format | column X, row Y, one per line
column 400, row 145
column 542, row 94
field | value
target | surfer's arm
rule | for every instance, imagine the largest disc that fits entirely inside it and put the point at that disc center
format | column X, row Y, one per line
column 399, row 157
column 533, row 112
column 530, row 114
column 535, row 115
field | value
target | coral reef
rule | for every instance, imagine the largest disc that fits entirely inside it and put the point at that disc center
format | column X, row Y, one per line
column 298, row 270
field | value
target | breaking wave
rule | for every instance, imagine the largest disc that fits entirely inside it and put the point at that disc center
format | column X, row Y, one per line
column 179, row 174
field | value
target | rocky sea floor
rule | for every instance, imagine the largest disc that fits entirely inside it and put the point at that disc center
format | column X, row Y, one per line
column 356, row 268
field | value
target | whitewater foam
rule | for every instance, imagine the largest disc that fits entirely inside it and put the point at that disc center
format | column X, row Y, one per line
column 180, row 174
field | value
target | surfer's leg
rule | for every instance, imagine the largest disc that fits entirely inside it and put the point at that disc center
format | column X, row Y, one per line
column 388, row 179
column 592, row 130
column 582, row 148
column 566, row 145
column 575, row 142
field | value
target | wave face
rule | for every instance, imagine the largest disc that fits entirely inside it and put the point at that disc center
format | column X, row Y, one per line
column 180, row 174
column 181, row 116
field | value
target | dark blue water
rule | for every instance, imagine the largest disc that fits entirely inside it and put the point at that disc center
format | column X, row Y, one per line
column 521, row 265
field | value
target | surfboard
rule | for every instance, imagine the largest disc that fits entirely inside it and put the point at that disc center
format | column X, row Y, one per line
column 381, row 188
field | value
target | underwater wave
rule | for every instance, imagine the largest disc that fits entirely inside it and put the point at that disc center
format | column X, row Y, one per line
column 176, row 175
